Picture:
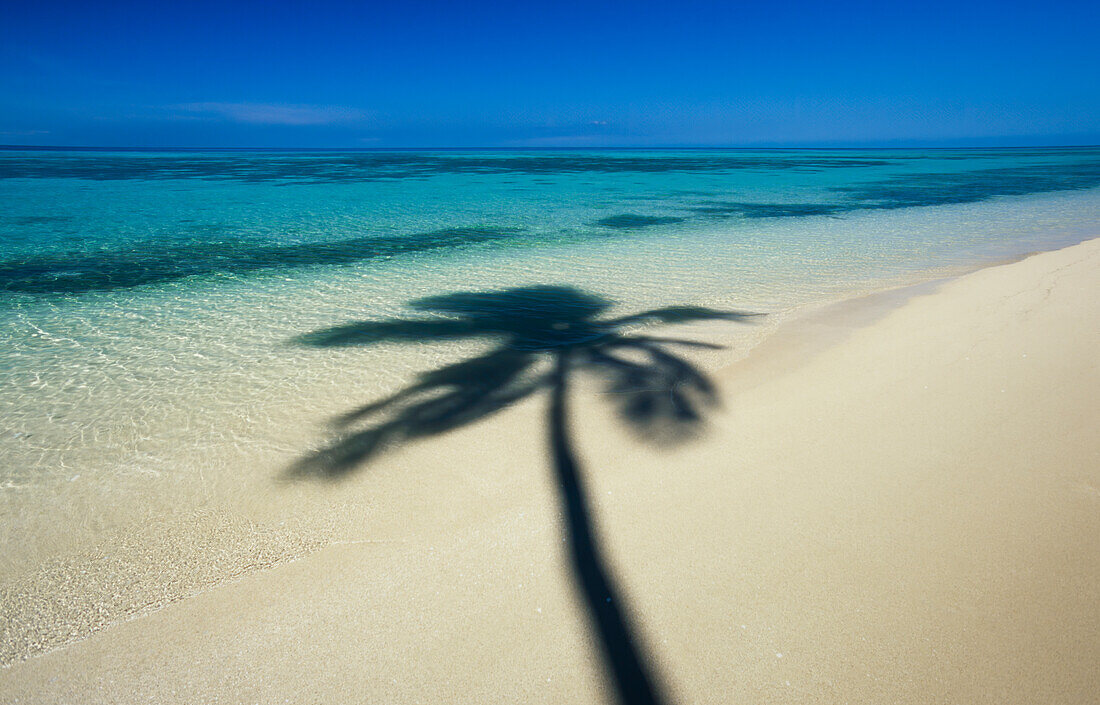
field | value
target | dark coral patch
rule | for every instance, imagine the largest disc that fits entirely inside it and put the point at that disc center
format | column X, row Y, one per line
column 628, row 221
column 124, row 267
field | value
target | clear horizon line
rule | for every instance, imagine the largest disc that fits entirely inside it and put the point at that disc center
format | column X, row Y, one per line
column 178, row 148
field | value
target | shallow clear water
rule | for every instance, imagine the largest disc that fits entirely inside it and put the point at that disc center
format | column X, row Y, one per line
column 148, row 300
column 135, row 286
column 98, row 222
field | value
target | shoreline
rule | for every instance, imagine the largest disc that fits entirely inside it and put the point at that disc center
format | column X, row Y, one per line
column 740, row 379
column 797, row 332
column 790, row 336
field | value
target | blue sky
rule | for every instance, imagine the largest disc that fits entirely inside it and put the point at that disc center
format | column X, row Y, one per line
column 564, row 74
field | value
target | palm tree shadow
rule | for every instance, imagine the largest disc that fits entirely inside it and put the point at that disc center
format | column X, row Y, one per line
column 659, row 393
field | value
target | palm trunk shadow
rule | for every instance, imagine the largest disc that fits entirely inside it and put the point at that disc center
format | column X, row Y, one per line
column 633, row 682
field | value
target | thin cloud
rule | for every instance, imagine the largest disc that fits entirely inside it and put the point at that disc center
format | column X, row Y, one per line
column 274, row 113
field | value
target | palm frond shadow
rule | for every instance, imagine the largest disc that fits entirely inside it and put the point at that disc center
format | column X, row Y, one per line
column 542, row 335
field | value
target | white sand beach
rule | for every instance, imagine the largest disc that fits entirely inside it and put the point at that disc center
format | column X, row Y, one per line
column 898, row 502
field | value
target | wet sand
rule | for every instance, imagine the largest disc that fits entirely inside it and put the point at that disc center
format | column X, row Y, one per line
column 898, row 502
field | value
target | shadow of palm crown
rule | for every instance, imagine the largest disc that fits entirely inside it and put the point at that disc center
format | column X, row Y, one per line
column 658, row 392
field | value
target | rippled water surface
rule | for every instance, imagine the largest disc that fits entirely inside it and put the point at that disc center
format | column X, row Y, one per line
column 148, row 300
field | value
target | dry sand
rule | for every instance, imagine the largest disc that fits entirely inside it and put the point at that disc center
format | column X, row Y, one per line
column 898, row 503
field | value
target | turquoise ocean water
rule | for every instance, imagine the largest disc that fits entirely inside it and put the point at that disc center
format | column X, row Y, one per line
column 148, row 299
